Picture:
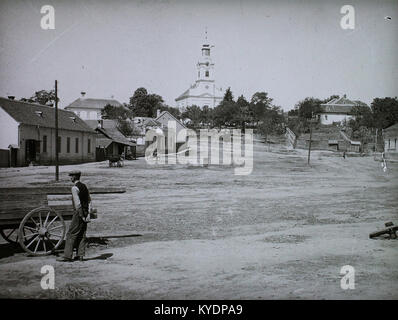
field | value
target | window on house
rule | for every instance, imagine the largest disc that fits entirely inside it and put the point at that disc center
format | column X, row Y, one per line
column 395, row 143
column 207, row 73
column 326, row 116
column 44, row 143
column 388, row 143
column 77, row 145
column 68, row 145
column 88, row 145
column 59, row 145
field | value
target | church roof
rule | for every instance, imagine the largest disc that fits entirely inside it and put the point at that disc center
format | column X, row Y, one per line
column 189, row 94
column 185, row 94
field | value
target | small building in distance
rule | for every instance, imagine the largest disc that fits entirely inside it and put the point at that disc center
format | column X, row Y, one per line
column 164, row 118
column 27, row 135
column 110, row 141
column 390, row 136
column 90, row 108
column 143, row 124
column 338, row 110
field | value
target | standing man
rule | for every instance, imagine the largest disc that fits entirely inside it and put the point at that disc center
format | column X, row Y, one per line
column 76, row 235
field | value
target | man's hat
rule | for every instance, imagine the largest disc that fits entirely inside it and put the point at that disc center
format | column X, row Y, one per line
column 75, row 173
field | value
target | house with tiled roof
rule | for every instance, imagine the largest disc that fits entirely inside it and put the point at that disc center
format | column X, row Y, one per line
column 27, row 135
column 90, row 108
column 338, row 110
column 166, row 120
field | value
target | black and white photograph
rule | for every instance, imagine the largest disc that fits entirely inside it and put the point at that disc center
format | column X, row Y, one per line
column 198, row 150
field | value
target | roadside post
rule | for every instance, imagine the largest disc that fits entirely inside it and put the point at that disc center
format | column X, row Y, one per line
column 56, row 133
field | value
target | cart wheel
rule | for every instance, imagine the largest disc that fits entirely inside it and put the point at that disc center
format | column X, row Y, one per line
column 10, row 235
column 41, row 231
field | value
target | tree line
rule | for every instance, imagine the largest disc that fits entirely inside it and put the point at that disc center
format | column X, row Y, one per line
column 259, row 113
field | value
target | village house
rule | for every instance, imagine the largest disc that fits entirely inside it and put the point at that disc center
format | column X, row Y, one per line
column 338, row 110
column 90, row 109
column 142, row 125
column 164, row 118
column 390, row 136
column 160, row 124
column 110, row 141
column 27, row 135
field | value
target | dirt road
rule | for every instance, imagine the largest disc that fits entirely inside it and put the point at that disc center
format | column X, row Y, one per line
column 184, row 232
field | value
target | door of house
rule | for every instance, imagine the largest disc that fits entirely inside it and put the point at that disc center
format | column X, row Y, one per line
column 32, row 150
column 14, row 157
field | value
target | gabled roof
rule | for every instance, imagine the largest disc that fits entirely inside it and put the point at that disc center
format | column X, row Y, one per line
column 166, row 112
column 90, row 103
column 341, row 105
column 110, row 131
column 43, row 116
column 146, row 121
column 391, row 131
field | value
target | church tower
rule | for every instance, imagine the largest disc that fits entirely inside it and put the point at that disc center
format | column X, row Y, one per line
column 205, row 65
column 203, row 93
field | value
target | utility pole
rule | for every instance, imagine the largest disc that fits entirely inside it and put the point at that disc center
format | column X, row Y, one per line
column 376, row 141
column 309, row 145
column 312, row 120
column 56, row 133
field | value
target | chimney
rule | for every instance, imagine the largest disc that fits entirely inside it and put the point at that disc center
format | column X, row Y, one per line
column 11, row 97
column 100, row 124
column 157, row 113
column 83, row 94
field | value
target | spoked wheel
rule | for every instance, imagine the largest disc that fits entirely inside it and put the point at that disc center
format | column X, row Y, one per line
column 10, row 235
column 41, row 231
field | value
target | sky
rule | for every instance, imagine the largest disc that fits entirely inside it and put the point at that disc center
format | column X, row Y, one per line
column 290, row 49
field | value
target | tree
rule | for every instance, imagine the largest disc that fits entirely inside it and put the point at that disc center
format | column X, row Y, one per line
column 243, row 114
column 308, row 108
column 126, row 127
column 272, row 122
column 114, row 112
column 385, row 112
column 42, row 97
column 143, row 104
column 259, row 104
column 228, row 95
column 207, row 116
column 194, row 114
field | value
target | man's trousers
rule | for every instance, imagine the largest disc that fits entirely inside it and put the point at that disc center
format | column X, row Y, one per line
column 76, row 237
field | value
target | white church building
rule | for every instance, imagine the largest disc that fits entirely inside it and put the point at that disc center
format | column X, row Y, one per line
column 204, row 91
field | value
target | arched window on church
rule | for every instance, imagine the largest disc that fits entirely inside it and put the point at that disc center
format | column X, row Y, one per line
column 198, row 74
column 207, row 74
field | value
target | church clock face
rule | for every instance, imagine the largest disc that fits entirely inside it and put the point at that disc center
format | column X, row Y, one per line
column 207, row 87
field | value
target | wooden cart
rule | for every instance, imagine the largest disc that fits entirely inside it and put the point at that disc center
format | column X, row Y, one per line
column 28, row 217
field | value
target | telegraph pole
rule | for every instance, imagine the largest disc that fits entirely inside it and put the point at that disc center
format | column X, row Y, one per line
column 56, row 133
column 309, row 145
column 312, row 120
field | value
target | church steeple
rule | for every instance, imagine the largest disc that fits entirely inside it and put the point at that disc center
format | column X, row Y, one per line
column 203, row 92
